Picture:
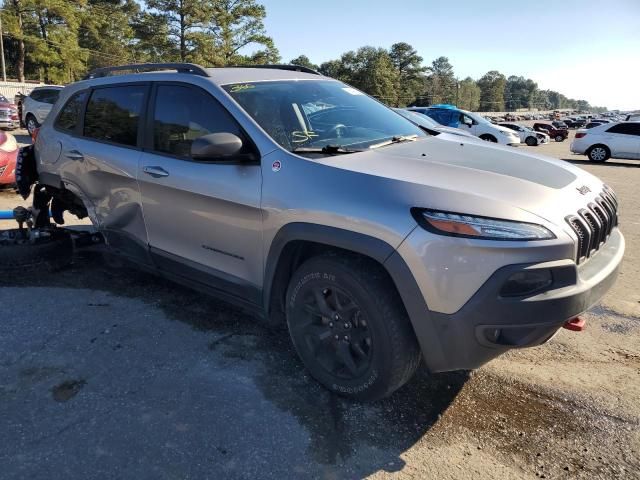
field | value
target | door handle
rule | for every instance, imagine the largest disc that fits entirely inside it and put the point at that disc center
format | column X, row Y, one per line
column 156, row 172
column 74, row 155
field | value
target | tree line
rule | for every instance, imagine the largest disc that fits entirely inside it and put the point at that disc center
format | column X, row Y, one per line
column 59, row 41
column 399, row 77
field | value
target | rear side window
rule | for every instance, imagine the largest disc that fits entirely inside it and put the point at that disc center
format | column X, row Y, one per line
column 625, row 129
column 45, row 95
column 70, row 113
column 50, row 96
column 113, row 114
column 183, row 114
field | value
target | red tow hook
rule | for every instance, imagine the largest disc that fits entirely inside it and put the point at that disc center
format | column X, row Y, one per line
column 575, row 324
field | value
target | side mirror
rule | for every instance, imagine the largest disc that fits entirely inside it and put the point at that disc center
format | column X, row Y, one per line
column 216, row 147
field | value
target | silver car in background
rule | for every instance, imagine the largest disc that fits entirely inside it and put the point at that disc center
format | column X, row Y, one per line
column 300, row 198
column 37, row 105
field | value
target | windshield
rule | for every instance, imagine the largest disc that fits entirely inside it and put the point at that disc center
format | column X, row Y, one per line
column 3, row 99
column 316, row 113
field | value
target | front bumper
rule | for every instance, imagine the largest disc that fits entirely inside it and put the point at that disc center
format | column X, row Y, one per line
column 8, row 123
column 490, row 324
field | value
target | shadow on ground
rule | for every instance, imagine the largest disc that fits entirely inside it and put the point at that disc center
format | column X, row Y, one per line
column 339, row 430
column 608, row 163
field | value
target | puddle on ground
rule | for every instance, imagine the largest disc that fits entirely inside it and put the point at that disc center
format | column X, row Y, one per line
column 545, row 430
column 66, row 390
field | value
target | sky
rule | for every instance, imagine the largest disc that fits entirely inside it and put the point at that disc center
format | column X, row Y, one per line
column 587, row 49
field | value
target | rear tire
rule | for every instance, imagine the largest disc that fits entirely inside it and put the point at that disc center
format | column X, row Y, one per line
column 489, row 138
column 599, row 153
column 31, row 123
column 18, row 255
column 530, row 141
column 350, row 328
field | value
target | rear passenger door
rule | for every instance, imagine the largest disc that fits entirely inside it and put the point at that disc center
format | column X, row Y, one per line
column 203, row 217
column 624, row 140
column 101, row 158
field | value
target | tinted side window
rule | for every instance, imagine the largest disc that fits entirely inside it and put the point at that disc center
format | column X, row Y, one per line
column 70, row 113
column 36, row 95
column 113, row 114
column 183, row 114
column 625, row 129
column 50, row 96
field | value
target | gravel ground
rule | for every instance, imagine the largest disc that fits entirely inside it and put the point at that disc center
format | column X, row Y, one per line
column 112, row 373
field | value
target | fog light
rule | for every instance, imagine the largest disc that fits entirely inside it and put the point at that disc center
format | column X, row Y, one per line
column 526, row 282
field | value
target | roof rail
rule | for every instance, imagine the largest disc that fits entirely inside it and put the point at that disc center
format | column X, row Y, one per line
column 148, row 67
column 277, row 66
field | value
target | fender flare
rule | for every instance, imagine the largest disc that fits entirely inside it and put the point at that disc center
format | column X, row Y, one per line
column 421, row 318
column 372, row 247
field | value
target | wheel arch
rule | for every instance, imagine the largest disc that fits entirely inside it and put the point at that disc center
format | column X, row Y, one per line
column 296, row 242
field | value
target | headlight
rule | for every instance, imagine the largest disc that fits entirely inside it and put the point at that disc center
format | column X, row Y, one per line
column 468, row 226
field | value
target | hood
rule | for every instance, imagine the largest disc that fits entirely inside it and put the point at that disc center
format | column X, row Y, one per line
column 476, row 177
column 8, row 105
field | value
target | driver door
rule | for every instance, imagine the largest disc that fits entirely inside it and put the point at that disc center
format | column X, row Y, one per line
column 468, row 124
column 203, row 218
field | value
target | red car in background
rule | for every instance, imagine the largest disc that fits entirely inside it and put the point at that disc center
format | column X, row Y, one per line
column 558, row 134
column 9, row 118
column 8, row 154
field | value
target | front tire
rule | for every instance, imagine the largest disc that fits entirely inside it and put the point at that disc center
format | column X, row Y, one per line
column 350, row 328
column 530, row 141
column 559, row 138
column 599, row 153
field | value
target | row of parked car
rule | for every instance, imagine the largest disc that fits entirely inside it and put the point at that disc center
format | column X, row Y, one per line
column 474, row 124
column 512, row 117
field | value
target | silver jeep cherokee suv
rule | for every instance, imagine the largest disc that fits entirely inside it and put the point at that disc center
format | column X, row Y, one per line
column 378, row 242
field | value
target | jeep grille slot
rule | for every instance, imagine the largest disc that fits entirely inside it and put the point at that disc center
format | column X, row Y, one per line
column 594, row 224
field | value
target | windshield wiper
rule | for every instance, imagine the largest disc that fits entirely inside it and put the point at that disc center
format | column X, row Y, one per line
column 396, row 139
column 327, row 149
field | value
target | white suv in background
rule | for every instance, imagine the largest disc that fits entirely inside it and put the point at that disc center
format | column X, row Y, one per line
column 37, row 105
column 610, row 140
column 451, row 116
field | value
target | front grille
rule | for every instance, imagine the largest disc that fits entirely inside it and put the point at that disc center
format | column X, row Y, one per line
column 594, row 224
column 4, row 113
